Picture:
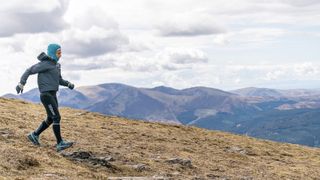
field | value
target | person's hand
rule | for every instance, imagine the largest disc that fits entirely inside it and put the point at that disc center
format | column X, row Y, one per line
column 70, row 86
column 19, row 88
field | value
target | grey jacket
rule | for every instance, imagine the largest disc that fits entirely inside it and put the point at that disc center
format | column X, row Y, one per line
column 49, row 74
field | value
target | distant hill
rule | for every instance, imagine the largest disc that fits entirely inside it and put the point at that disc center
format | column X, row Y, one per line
column 109, row 147
column 243, row 111
column 261, row 92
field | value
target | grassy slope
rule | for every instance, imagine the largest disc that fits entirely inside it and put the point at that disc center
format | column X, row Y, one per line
column 213, row 154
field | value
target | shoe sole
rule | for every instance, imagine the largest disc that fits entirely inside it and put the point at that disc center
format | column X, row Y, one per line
column 34, row 142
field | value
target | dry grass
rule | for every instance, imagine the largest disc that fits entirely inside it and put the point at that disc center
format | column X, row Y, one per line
column 213, row 154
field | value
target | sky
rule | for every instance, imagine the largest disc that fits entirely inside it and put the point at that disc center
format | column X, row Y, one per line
column 183, row 43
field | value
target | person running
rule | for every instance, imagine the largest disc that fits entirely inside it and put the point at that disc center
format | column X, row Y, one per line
column 49, row 79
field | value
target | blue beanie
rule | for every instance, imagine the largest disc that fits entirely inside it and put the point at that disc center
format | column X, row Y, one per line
column 52, row 49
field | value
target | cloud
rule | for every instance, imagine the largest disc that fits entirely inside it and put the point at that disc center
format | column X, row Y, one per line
column 72, row 76
column 173, row 59
column 250, row 35
column 267, row 13
column 307, row 69
column 301, row 3
column 185, row 56
column 222, row 39
column 87, row 66
column 92, row 16
column 130, row 62
column 89, row 33
column 271, row 72
column 26, row 17
column 92, row 42
column 274, row 75
column 93, row 33
column 187, row 25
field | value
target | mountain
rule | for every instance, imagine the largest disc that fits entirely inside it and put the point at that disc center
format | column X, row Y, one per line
column 260, row 92
column 294, row 94
column 166, row 90
column 159, row 103
column 286, row 99
column 133, row 103
column 245, row 111
column 109, row 147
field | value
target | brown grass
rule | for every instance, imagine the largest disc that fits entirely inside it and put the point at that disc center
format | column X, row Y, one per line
column 213, row 154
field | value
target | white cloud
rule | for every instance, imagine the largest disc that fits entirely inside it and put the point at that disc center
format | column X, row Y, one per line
column 23, row 17
column 183, row 56
column 190, row 25
column 274, row 75
column 91, row 16
column 250, row 35
column 302, row 3
column 222, row 39
column 92, row 42
column 307, row 69
column 166, row 60
column 29, row 6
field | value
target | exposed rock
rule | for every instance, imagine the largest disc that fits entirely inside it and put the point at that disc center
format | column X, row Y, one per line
column 88, row 157
column 138, row 178
column 140, row 167
column 183, row 162
column 176, row 173
column 6, row 133
column 235, row 149
column 54, row 176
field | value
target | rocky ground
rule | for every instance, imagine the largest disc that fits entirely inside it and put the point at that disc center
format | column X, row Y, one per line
column 115, row 148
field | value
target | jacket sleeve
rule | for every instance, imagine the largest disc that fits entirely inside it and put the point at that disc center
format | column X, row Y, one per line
column 62, row 82
column 37, row 68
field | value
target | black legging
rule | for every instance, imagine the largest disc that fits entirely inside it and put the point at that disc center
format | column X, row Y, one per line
column 50, row 102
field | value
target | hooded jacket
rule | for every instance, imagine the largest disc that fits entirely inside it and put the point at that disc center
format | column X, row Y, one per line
column 49, row 74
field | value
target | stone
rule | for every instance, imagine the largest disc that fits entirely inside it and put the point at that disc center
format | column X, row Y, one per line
column 88, row 157
column 183, row 162
column 140, row 167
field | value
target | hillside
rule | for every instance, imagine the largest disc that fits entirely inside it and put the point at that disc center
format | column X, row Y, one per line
column 117, row 147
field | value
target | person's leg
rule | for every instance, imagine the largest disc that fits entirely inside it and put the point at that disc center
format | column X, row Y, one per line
column 34, row 136
column 43, row 126
column 46, row 123
column 62, row 144
column 51, row 106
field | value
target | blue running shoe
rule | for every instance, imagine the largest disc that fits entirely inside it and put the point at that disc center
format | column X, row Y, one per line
column 63, row 145
column 34, row 139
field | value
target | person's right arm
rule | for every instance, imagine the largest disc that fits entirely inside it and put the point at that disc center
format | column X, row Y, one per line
column 37, row 68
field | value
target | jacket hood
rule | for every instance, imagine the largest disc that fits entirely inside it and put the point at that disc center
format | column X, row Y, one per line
column 44, row 57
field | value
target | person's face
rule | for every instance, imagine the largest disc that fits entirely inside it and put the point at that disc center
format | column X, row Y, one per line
column 58, row 53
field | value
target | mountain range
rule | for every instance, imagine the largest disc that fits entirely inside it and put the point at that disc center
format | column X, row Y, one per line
column 281, row 115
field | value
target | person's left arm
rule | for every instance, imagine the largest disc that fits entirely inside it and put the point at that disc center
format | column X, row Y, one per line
column 63, row 82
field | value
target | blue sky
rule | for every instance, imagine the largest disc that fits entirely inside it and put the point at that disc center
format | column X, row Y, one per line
column 183, row 43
